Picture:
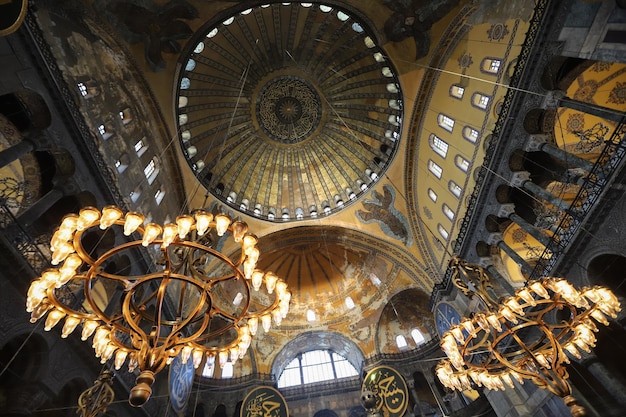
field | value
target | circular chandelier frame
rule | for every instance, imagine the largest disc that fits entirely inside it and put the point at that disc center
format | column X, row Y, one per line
column 524, row 336
column 182, row 305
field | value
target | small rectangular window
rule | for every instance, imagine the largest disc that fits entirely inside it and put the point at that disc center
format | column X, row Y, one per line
column 140, row 147
column 83, row 89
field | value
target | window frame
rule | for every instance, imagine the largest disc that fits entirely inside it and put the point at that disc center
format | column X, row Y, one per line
column 435, row 169
column 462, row 163
column 438, row 145
column 452, row 186
column 445, row 122
column 481, row 100
column 468, row 134
column 314, row 366
column 457, row 91
column 491, row 65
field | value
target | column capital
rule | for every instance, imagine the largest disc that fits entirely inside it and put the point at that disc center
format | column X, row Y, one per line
column 494, row 238
column 535, row 142
column 506, row 210
column 519, row 178
column 485, row 261
column 551, row 99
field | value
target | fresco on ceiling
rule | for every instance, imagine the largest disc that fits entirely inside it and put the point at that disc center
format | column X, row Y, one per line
column 159, row 26
column 413, row 19
column 382, row 211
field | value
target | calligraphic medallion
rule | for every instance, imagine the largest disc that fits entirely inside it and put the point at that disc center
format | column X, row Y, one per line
column 180, row 383
column 264, row 402
column 389, row 389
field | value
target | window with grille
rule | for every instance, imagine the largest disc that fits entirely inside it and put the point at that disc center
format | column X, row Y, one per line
column 315, row 366
column 435, row 169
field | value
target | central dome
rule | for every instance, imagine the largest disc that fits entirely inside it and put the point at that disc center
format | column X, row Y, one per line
column 287, row 111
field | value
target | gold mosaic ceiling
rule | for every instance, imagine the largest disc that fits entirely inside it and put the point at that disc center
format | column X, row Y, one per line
column 287, row 111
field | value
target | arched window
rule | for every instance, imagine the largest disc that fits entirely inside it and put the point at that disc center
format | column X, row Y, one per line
column 447, row 211
column 470, row 134
column 432, row 194
column 490, row 65
column 418, row 337
column 438, row 145
column 443, row 232
column 315, row 366
column 445, row 122
column 151, row 170
column 434, row 168
column 227, row 370
column 401, row 342
column 455, row 189
column 462, row 163
column 457, row 91
column 480, row 100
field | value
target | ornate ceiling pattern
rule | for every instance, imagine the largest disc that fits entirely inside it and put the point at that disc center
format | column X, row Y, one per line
column 287, row 111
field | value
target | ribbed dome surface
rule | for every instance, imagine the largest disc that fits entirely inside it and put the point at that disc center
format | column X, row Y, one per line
column 288, row 110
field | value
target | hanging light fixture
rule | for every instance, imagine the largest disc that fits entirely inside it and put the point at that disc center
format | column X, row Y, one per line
column 94, row 401
column 194, row 301
column 524, row 336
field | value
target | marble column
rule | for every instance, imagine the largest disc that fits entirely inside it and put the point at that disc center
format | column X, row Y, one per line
column 13, row 153
column 530, row 229
column 39, row 208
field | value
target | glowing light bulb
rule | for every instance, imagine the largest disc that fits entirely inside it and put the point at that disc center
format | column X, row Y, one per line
column 87, row 217
column 132, row 222
column 170, row 231
column 222, row 221
column 184, row 225
column 270, row 281
column 203, row 221
column 110, row 214
column 151, row 232
column 70, row 324
column 239, row 229
column 253, row 325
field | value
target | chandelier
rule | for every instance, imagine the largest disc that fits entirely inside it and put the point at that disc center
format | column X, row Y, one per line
column 189, row 299
column 525, row 336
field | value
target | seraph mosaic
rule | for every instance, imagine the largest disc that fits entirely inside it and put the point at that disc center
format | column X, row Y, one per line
column 382, row 211
column 159, row 26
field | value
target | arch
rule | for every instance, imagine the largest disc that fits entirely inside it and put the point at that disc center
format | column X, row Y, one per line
column 29, row 362
column 26, row 109
column 608, row 270
column 538, row 121
column 315, row 341
column 65, row 401
column 406, row 311
column 325, row 413
column 423, row 391
column 562, row 71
